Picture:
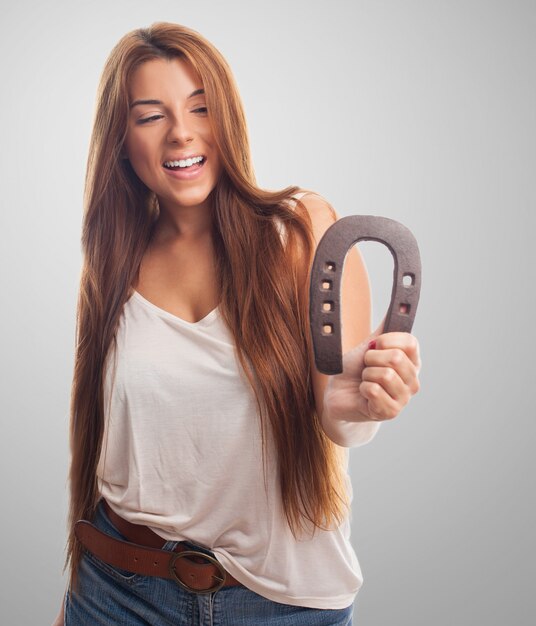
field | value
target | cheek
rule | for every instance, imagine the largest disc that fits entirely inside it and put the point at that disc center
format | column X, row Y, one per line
column 141, row 159
column 138, row 148
column 218, row 169
column 140, row 163
column 217, row 166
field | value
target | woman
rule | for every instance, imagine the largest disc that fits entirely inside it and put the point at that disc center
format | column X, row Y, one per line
column 199, row 422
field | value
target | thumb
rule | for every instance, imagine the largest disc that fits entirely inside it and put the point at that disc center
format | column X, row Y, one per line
column 353, row 360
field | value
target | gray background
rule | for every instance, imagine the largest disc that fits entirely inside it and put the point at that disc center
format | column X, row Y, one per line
column 420, row 111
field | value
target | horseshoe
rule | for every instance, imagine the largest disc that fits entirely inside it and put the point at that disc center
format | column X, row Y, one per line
column 326, row 274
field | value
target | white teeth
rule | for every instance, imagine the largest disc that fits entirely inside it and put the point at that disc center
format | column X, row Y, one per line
column 185, row 163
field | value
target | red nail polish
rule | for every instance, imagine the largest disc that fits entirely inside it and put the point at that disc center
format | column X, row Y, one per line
column 372, row 345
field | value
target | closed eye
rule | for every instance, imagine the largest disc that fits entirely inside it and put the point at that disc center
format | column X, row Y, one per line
column 155, row 117
column 148, row 119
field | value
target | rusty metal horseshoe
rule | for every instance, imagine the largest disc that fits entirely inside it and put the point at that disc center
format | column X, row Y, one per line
column 326, row 275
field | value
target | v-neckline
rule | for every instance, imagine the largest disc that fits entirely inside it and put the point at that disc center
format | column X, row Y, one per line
column 204, row 320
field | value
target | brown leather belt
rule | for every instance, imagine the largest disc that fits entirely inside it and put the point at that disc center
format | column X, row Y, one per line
column 193, row 570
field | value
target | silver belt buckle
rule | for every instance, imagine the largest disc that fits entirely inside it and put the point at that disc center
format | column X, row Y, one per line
column 220, row 579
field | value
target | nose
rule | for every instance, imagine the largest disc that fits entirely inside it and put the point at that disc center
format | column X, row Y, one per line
column 179, row 131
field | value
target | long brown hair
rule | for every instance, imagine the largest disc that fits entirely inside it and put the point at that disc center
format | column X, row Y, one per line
column 263, row 286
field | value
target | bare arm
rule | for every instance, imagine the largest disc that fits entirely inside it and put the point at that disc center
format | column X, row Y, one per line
column 60, row 619
column 356, row 324
column 378, row 379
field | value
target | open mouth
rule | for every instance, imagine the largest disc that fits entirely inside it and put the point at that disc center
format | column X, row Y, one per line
column 186, row 168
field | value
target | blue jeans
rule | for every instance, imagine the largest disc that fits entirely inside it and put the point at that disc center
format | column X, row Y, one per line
column 111, row 596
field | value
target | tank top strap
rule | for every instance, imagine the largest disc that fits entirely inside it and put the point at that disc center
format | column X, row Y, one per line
column 299, row 195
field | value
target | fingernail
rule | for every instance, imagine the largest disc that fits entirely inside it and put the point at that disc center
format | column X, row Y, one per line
column 372, row 345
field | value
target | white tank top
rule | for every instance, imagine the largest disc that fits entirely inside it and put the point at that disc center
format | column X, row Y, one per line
column 182, row 454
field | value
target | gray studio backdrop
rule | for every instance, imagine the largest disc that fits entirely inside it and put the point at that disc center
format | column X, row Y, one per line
column 422, row 111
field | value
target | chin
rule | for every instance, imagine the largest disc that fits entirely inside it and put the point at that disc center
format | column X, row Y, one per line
column 185, row 199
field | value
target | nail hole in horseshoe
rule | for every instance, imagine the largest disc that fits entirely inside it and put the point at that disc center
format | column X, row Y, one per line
column 329, row 266
column 327, row 329
column 408, row 280
column 328, row 305
column 404, row 308
column 327, row 284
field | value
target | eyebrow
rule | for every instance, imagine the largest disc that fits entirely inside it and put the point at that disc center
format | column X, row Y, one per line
column 197, row 92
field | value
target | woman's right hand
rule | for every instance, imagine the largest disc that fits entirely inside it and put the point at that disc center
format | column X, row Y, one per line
column 60, row 620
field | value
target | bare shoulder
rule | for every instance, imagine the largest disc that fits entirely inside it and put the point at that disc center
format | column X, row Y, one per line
column 320, row 211
column 355, row 287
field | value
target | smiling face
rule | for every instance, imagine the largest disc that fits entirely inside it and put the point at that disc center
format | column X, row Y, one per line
column 168, row 121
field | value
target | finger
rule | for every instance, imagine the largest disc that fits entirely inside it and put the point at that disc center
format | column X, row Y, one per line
column 395, row 359
column 404, row 341
column 390, row 381
column 380, row 404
